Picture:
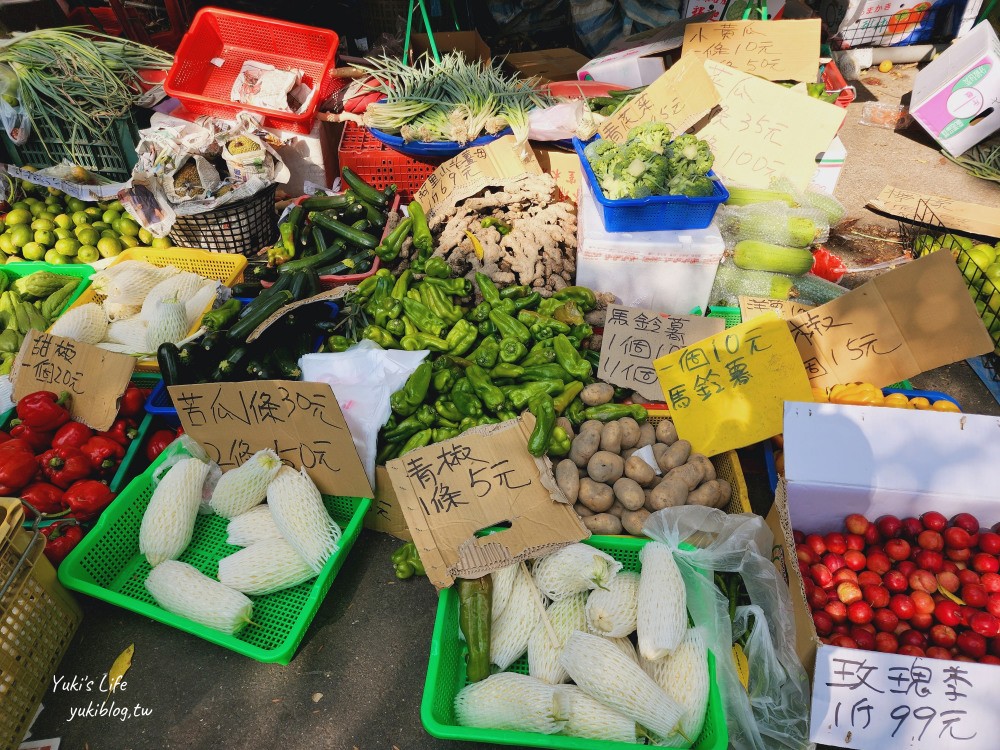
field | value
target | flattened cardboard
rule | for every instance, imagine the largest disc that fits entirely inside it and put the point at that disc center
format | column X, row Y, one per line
column 765, row 130
column 301, row 422
column 679, row 98
column 450, row 490
column 634, row 337
column 95, row 378
column 753, row 307
column 775, row 50
column 385, row 514
column 954, row 214
column 558, row 64
column 564, row 166
column 474, row 169
column 469, row 43
column 905, row 322
column 728, row 391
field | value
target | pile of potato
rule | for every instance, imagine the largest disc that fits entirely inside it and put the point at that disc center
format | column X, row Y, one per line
column 614, row 491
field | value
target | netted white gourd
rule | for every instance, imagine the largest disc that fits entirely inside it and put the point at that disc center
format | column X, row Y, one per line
column 565, row 616
column 256, row 525
column 167, row 324
column 512, row 629
column 182, row 590
column 130, row 333
column 128, row 282
column 195, row 307
column 116, row 311
column 240, row 489
column 684, row 677
column 168, row 523
column 514, row 702
column 608, row 676
column 611, row 612
column 180, row 286
column 300, row 515
column 662, row 614
column 592, row 719
column 575, row 568
column 86, row 323
column 626, row 647
column 263, row 568
column 503, row 582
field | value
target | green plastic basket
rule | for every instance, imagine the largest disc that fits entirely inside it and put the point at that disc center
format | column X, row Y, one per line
column 107, row 565
column 446, row 676
column 82, row 271
column 731, row 316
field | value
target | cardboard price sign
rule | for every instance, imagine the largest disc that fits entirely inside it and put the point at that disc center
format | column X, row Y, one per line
column 870, row 700
column 729, row 390
column 95, row 378
column 474, row 169
column 765, row 130
column 902, row 323
column 450, row 490
column 966, row 217
column 753, row 307
column 634, row 337
column 679, row 98
column 775, row 50
column 301, row 422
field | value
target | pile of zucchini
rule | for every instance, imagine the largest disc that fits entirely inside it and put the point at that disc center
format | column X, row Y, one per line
column 223, row 354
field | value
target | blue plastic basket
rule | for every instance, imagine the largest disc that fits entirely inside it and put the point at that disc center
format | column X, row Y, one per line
column 435, row 149
column 656, row 212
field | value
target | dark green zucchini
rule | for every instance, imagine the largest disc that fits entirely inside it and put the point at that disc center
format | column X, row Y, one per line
column 246, row 325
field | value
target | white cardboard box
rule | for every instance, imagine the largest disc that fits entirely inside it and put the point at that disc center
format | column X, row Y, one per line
column 876, row 461
column 669, row 271
column 956, row 98
column 635, row 67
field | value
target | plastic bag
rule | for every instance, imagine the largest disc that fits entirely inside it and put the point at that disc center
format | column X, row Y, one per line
column 187, row 447
column 15, row 121
column 557, row 122
column 775, row 713
column 363, row 378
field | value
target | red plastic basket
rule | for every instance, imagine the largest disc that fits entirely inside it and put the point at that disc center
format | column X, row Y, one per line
column 204, row 88
column 834, row 80
column 379, row 165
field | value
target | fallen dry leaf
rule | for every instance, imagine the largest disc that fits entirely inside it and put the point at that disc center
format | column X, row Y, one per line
column 120, row 667
column 317, row 697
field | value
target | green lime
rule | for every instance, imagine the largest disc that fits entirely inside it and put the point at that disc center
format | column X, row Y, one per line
column 55, row 193
column 15, row 259
column 101, row 225
column 87, row 254
column 61, row 233
column 109, row 247
column 110, row 233
column 56, row 259
column 145, row 236
column 81, row 217
column 64, row 221
column 75, row 204
column 34, row 251
column 53, row 200
column 45, row 216
column 7, row 244
column 128, row 227
column 88, row 235
column 37, row 207
column 116, row 225
column 67, row 247
column 23, row 205
column 109, row 216
column 45, row 237
column 128, row 242
column 116, row 205
column 92, row 211
column 31, row 200
column 21, row 235
column 17, row 216
column 43, row 224
column 161, row 242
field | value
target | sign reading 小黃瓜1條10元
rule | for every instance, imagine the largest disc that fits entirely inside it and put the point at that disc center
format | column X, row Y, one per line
column 728, row 391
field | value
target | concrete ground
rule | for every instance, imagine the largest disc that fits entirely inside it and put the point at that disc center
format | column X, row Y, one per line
column 357, row 680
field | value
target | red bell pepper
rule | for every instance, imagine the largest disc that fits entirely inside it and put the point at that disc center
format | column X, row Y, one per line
column 44, row 411
column 46, row 498
column 17, row 469
column 103, row 453
column 15, row 444
column 63, row 466
column 133, row 403
column 122, row 431
column 87, row 498
column 157, row 443
column 38, row 440
column 72, row 435
column 60, row 540
column 4, row 437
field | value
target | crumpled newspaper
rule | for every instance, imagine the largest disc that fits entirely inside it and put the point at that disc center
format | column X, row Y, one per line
column 263, row 85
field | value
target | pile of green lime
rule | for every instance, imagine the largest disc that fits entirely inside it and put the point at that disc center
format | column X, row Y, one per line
column 51, row 226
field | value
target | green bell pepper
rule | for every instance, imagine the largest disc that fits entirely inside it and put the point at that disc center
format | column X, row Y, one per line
column 491, row 396
column 580, row 333
column 444, row 433
column 383, row 309
column 486, row 353
column 387, row 452
column 583, row 297
column 402, row 285
column 491, row 294
column 515, row 291
column 520, row 395
column 611, row 412
column 424, row 417
column 396, row 327
column 445, row 379
column 463, row 395
column 512, row 350
column 454, row 287
column 417, row 440
column 526, row 303
column 541, row 327
column 546, row 372
column 505, row 415
column 539, row 357
column 479, row 313
column 423, row 317
column 486, row 328
column 437, row 268
column 423, row 241
column 446, row 409
column 380, row 336
column 419, row 341
column 559, row 443
column 337, row 344
column 575, row 413
column 505, row 370
column 409, row 398
column 569, row 358
column 565, row 398
column 545, row 422
column 439, row 304
column 509, row 327
column 461, row 338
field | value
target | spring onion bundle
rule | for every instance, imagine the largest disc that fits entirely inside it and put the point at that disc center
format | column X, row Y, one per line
column 451, row 100
column 88, row 79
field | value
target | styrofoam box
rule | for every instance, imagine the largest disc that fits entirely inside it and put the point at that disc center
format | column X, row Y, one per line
column 669, row 271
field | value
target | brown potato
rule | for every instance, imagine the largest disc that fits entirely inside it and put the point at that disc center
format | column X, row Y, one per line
column 603, row 523
column 725, row 493
column 639, row 470
column 675, row 455
column 633, row 521
column 647, row 435
column 707, row 467
column 630, row 432
column 568, row 479
column 690, row 473
column 586, row 442
column 606, row 467
column 595, row 495
column 645, row 495
column 669, row 493
column 666, row 432
column 617, row 509
column 708, row 495
column 566, row 425
column 627, row 453
column 658, row 450
column 611, row 438
column 629, row 493
column 597, row 394
column 582, row 510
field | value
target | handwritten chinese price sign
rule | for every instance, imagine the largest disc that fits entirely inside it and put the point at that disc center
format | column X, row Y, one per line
column 753, row 307
column 94, row 378
column 864, row 699
column 775, row 50
column 728, row 391
column 301, row 422
column 634, row 337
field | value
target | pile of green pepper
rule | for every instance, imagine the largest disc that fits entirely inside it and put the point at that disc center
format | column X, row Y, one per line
column 406, row 562
column 513, row 351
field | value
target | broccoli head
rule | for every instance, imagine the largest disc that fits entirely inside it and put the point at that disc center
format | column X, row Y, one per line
column 693, row 186
column 689, row 155
column 653, row 135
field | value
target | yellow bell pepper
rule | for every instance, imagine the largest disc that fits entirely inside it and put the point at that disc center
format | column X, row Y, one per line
column 944, row 405
column 858, row 394
column 921, row 403
column 897, row 401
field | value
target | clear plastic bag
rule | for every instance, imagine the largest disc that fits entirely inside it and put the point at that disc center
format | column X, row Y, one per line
column 187, row 447
column 774, row 714
column 15, row 121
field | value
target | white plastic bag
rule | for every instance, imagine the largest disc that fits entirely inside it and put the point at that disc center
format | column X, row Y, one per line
column 363, row 378
column 557, row 122
column 775, row 714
